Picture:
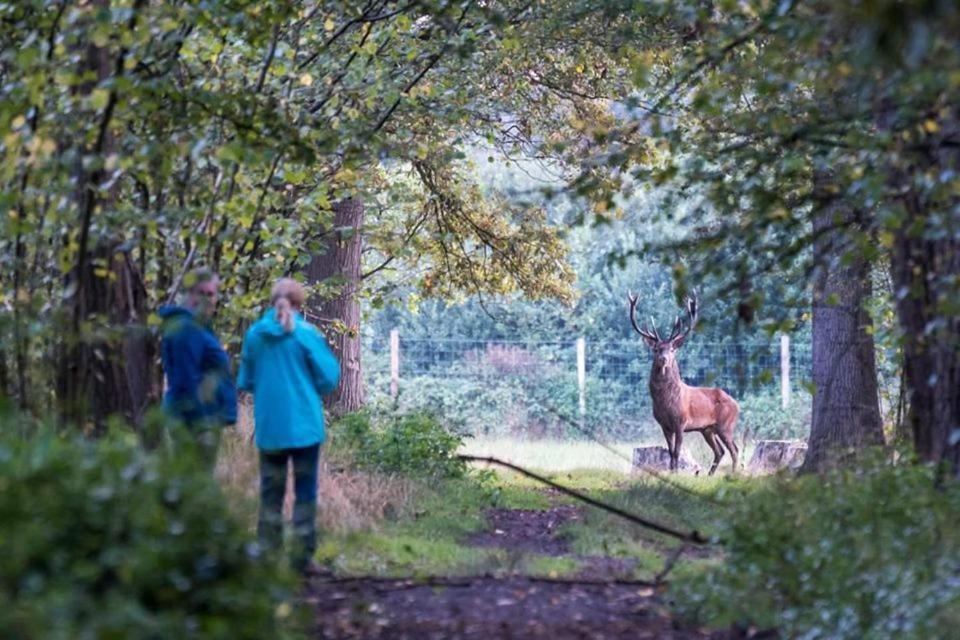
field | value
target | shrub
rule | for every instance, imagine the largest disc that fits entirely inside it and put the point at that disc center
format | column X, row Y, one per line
column 102, row 539
column 764, row 418
column 867, row 553
column 413, row 444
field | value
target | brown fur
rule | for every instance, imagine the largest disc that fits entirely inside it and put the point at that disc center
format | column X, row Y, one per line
column 678, row 408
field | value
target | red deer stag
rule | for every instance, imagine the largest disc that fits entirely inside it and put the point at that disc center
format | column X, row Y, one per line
column 679, row 407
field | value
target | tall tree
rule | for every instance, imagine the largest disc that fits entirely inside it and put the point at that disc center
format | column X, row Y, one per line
column 846, row 410
column 102, row 367
column 339, row 268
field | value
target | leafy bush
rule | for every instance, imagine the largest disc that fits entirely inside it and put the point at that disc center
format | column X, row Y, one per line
column 866, row 553
column 764, row 418
column 102, row 539
column 414, row 444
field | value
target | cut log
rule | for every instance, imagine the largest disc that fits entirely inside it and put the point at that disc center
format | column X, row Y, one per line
column 658, row 459
column 773, row 455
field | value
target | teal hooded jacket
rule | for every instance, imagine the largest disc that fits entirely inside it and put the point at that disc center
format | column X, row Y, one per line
column 287, row 374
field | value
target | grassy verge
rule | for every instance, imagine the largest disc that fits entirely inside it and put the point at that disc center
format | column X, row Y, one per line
column 393, row 525
column 431, row 535
column 683, row 503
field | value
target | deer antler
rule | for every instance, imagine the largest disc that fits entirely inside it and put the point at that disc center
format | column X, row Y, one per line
column 692, row 313
column 633, row 298
column 653, row 325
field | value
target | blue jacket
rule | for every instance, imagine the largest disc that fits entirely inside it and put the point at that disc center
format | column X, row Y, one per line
column 287, row 373
column 199, row 384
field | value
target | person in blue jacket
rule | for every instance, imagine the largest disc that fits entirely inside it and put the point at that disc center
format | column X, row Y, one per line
column 287, row 366
column 200, row 392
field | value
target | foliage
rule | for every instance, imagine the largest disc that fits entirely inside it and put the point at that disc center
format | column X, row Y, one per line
column 525, row 405
column 764, row 115
column 102, row 539
column 763, row 417
column 608, row 262
column 531, row 390
column 142, row 138
column 870, row 552
column 412, row 444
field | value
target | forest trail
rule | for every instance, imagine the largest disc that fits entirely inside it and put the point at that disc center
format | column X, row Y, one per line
column 598, row 602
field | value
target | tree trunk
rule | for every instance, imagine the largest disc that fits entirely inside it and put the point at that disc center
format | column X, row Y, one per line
column 4, row 375
column 846, row 411
column 340, row 315
column 931, row 340
column 105, row 361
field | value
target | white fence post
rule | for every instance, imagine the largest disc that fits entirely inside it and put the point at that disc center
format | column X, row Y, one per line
column 785, row 370
column 582, row 378
column 394, row 363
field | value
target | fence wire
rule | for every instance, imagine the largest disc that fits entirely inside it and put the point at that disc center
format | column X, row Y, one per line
column 532, row 388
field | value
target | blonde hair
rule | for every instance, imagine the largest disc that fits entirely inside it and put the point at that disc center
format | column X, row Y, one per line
column 287, row 295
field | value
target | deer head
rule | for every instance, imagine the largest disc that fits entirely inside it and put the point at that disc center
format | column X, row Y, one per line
column 664, row 350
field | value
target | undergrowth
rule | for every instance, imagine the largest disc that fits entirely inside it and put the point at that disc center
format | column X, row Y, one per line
column 870, row 552
column 104, row 539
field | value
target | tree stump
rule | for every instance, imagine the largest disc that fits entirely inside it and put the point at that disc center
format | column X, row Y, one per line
column 773, row 455
column 658, row 459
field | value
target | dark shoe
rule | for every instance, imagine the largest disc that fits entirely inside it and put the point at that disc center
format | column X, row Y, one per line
column 314, row 569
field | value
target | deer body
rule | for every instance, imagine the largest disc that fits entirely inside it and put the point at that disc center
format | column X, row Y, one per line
column 678, row 407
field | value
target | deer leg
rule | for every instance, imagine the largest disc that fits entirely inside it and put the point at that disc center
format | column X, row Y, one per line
column 677, row 444
column 711, row 439
column 727, row 439
column 668, row 436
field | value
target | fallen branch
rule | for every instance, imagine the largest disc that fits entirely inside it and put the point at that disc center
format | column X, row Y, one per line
column 694, row 537
column 668, row 565
column 397, row 584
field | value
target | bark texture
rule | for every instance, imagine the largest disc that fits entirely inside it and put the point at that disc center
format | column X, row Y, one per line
column 104, row 365
column 846, row 409
column 339, row 316
column 919, row 264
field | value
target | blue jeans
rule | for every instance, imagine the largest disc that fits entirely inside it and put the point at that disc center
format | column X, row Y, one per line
column 273, row 484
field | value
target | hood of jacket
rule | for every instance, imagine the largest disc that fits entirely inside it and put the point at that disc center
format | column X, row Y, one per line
column 172, row 311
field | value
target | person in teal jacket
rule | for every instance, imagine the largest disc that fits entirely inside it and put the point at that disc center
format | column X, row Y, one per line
column 287, row 366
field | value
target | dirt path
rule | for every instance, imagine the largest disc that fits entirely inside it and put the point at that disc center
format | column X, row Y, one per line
column 592, row 605
column 486, row 607
column 539, row 531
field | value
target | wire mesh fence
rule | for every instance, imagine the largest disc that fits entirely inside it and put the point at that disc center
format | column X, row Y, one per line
column 545, row 389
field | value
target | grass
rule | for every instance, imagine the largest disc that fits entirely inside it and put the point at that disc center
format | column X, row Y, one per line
column 350, row 500
column 553, row 455
column 567, row 455
column 399, row 555
column 685, row 503
column 430, row 536
column 799, row 554
column 375, row 524
column 550, row 566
